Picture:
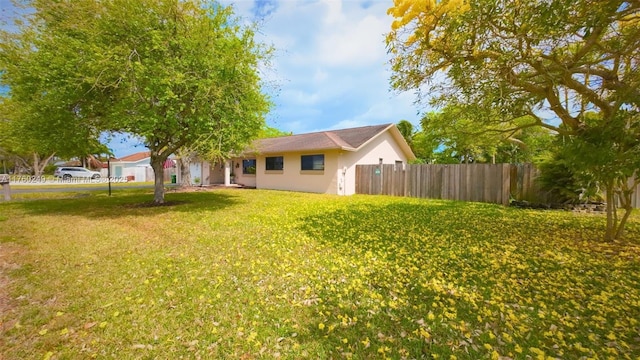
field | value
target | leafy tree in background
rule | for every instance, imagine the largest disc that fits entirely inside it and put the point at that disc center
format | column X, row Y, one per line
column 529, row 58
column 423, row 147
column 406, row 129
column 527, row 145
column 32, row 143
column 175, row 73
column 460, row 138
column 19, row 143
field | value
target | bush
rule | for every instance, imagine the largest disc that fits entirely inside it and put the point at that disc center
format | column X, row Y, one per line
column 563, row 185
column 49, row 169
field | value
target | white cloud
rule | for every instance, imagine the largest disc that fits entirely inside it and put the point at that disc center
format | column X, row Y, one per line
column 320, row 76
column 389, row 110
column 301, row 97
column 330, row 64
column 353, row 45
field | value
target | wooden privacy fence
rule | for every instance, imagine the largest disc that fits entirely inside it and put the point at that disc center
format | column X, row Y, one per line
column 494, row 183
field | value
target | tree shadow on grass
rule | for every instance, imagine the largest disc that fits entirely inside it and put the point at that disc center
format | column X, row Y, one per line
column 136, row 203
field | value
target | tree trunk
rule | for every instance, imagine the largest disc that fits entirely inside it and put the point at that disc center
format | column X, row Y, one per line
column 185, row 172
column 157, row 164
column 618, row 193
column 185, row 157
column 36, row 165
column 625, row 194
column 611, row 214
column 623, row 221
column 39, row 165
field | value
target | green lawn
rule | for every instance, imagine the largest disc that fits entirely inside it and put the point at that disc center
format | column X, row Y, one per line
column 251, row 274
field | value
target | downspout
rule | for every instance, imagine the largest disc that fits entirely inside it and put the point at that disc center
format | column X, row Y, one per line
column 344, row 180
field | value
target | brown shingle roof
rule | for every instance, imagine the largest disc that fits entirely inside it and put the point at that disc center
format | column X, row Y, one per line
column 136, row 157
column 346, row 139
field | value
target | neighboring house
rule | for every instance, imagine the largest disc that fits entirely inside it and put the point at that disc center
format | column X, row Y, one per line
column 320, row 162
column 134, row 167
column 137, row 167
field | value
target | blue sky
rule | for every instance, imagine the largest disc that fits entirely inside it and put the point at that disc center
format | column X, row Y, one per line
column 330, row 68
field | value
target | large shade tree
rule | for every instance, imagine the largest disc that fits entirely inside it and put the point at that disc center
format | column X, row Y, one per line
column 174, row 73
column 554, row 61
column 44, row 112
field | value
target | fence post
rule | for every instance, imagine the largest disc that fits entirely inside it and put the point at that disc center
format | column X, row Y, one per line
column 6, row 188
column 381, row 177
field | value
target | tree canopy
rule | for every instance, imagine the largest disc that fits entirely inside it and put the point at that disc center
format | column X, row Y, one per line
column 552, row 61
column 462, row 138
column 175, row 73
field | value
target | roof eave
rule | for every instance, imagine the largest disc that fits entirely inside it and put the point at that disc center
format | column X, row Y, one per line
column 258, row 152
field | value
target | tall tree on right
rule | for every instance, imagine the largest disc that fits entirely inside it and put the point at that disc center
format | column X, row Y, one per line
column 556, row 61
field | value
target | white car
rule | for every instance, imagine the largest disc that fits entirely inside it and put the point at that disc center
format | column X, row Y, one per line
column 68, row 172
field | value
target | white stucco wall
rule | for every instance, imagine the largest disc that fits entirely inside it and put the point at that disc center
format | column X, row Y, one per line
column 383, row 147
column 294, row 179
column 136, row 169
column 240, row 178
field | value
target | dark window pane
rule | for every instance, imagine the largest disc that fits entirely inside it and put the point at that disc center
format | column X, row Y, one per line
column 249, row 166
column 274, row 163
column 312, row 162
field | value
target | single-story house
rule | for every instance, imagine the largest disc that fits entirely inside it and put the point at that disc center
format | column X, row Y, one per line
column 134, row 167
column 320, row 162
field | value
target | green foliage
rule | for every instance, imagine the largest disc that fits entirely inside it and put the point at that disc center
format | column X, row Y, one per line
column 553, row 60
column 424, row 147
column 459, row 134
column 563, row 183
column 49, row 169
column 271, row 132
column 44, row 110
column 174, row 73
column 527, row 145
column 406, row 129
column 609, row 150
column 455, row 128
column 214, row 275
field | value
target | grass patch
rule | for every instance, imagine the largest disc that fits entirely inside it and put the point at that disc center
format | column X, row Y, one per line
column 265, row 274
